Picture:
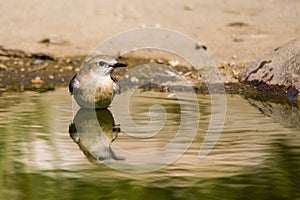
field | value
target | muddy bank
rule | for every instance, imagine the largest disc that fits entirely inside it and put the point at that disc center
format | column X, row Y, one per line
column 21, row 71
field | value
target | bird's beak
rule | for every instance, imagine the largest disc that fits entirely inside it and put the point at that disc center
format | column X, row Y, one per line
column 119, row 65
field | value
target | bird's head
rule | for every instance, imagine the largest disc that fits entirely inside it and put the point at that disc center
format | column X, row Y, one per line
column 101, row 65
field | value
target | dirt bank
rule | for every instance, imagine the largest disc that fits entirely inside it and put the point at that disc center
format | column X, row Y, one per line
column 21, row 71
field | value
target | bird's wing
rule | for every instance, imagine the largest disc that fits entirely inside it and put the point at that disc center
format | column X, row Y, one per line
column 71, row 84
column 116, row 87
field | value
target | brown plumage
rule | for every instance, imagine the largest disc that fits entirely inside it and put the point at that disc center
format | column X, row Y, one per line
column 93, row 86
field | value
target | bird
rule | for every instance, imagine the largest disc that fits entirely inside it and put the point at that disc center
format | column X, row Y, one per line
column 94, row 131
column 93, row 86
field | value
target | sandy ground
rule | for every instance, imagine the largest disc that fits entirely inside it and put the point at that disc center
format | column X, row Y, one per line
column 231, row 29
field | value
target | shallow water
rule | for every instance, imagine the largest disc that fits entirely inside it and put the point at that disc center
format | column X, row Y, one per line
column 255, row 157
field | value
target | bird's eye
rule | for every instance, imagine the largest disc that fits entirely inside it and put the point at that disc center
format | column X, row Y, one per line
column 101, row 63
column 101, row 158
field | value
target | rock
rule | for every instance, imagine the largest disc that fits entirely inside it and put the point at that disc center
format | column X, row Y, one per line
column 238, row 24
column 3, row 67
column 4, row 58
column 173, row 63
column 188, row 7
column 160, row 61
column 37, row 80
column 48, row 41
column 38, row 62
column 69, row 67
column 285, row 113
column 199, row 46
column 277, row 72
column 134, row 79
column 235, row 72
column 236, row 39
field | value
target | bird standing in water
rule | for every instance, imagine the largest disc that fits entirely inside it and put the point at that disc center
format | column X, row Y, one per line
column 93, row 86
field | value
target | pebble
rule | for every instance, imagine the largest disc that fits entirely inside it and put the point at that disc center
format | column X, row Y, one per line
column 188, row 74
column 70, row 67
column 21, row 63
column 51, row 41
column 237, row 39
column 188, row 7
column 200, row 46
column 4, row 58
column 238, row 24
column 232, row 63
column 3, row 67
column 160, row 61
column 171, row 95
column 38, row 62
column 173, row 63
column 235, row 73
column 37, row 80
column 134, row 79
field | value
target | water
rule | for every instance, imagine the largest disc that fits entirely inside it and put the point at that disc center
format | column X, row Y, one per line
column 257, row 156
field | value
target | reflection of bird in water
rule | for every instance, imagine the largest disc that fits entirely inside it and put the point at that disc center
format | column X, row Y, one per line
column 93, row 86
column 94, row 131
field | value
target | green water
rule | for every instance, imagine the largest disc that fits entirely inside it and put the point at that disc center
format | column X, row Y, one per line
column 257, row 155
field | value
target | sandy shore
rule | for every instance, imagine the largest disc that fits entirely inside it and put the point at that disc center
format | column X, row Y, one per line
column 232, row 30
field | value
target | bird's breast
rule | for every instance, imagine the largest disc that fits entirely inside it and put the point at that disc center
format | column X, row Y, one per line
column 93, row 92
column 104, row 90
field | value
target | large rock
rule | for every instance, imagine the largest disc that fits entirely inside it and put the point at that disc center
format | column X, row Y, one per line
column 287, row 114
column 277, row 72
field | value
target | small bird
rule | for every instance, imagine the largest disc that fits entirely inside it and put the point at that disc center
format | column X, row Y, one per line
column 94, row 132
column 93, row 86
